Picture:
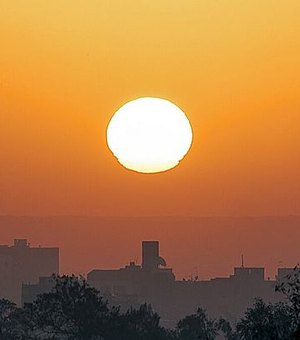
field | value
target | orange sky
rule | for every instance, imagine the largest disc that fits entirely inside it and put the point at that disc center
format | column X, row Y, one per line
column 232, row 66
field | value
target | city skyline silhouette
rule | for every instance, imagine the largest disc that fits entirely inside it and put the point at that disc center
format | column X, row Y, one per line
column 199, row 245
column 27, row 271
column 149, row 170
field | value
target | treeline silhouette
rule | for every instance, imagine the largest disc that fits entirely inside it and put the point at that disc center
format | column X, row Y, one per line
column 74, row 310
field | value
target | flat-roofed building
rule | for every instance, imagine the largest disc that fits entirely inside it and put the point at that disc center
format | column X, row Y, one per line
column 151, row 282
column 21, row 263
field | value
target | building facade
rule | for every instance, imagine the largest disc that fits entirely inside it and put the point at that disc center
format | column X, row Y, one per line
column 21, row 263
column 153, row 283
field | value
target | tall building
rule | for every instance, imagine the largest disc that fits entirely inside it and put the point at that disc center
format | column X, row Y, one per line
column 134, row 284
column 150, row 256
column 21, row 263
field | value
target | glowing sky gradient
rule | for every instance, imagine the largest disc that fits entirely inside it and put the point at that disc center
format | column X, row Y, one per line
column 233, row 66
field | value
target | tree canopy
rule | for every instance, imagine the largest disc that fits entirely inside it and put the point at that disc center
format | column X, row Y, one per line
column 74, row 310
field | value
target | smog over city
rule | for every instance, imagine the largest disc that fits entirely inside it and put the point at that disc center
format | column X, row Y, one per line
column 149, row 170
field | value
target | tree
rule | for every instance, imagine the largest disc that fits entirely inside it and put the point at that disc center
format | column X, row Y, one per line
column 74, row 310
column 290, row 287
column 197, row 326
column 142, row 324
column 266, row 321
column 228, row 332
column 71, row 310
column 7, row 322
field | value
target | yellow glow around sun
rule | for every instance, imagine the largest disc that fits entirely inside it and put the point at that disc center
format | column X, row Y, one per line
column 149, row 135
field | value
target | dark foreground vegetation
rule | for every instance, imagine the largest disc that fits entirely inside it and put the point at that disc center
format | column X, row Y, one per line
column 74, row 310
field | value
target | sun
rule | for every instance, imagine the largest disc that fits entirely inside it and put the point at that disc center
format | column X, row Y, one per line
column 149, row 135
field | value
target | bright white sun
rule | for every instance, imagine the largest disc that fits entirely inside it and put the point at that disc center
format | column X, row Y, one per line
column 149, row 135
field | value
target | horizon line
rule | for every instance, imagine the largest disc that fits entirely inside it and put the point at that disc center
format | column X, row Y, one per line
column 147, row 216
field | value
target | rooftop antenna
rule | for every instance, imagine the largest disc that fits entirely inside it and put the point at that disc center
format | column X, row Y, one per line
column 242, row 261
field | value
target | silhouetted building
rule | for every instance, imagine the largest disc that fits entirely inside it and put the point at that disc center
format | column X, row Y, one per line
column 135, row 284
column 153, row 283
column 31, row 291
column 284, row 273
column 21, row 263
column 221, row 297
column 226, row 297
column 150, row 256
